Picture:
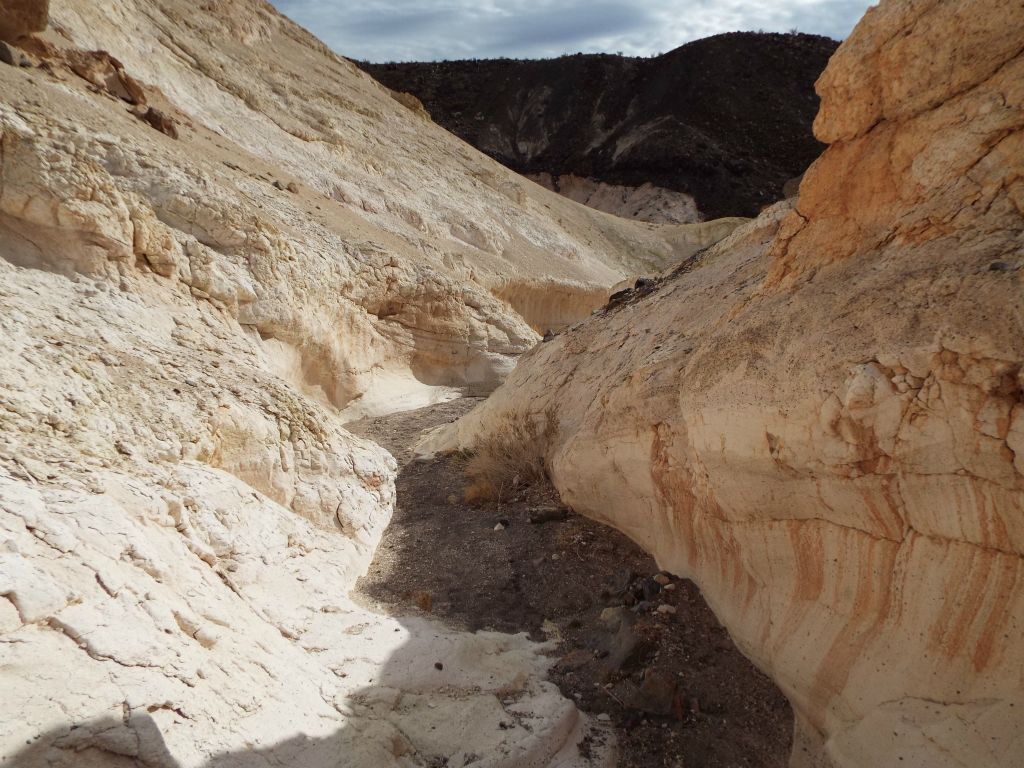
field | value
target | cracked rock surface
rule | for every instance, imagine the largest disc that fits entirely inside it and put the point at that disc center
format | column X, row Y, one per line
column 218, row 243
column 820, row 421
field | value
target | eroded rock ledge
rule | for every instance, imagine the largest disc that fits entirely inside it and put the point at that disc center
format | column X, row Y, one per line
column 822, row 423
column 219, row 241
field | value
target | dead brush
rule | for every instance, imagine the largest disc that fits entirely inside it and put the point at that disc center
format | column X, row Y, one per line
column 510, row 458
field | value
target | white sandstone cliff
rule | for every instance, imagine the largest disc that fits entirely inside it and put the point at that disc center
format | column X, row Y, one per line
column 395, row 230
column 219, row 241
column 646, row 202
column 822, row 423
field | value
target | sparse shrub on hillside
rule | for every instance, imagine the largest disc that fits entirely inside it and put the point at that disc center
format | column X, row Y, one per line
column 510, row 458
column 738, row 136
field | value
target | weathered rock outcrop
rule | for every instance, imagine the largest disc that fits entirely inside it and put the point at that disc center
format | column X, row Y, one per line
column 23, row 17
column 218, row 242
column 365, row 242
column 821, row 422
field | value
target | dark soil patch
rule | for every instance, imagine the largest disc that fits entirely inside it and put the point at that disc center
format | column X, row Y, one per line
column 673, row 685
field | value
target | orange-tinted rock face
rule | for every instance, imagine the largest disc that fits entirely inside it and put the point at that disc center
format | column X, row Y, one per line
column 822, row 423
column 909, row 57
column 22, row 17
column 921, row 107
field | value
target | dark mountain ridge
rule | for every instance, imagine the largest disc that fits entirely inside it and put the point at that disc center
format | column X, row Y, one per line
column 726, row 119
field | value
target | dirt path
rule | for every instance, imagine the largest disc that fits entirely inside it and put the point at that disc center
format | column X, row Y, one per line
column 668, row 679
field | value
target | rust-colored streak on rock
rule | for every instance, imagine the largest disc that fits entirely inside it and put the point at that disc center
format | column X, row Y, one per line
column 847, row 431
column 981, row 615
column 870, row 576
column 1002, row 626
column 810, row 561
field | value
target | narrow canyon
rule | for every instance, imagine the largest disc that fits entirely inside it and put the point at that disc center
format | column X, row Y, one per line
column 327, row 440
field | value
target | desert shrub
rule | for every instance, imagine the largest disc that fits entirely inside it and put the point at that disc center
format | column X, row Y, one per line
column 509, row 458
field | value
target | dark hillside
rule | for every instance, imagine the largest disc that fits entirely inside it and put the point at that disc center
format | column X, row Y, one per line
column 726, row 119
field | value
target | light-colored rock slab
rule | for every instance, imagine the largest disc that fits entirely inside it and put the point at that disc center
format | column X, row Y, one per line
column 182, row 512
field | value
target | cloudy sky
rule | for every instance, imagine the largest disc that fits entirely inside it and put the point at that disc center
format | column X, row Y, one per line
column 408, row 30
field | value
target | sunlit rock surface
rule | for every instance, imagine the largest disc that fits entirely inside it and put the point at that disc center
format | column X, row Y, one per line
column 822, row 421
column 219, row 242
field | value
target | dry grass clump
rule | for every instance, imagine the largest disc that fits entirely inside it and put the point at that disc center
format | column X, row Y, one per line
column 509, row 458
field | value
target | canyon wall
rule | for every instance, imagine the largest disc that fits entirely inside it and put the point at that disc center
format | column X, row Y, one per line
column 820, row 419
column 218, row 243
column 296, row 174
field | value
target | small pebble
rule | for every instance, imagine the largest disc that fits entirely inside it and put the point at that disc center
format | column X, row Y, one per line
column 664, row 608
column 604, row 717
column 669, row 587
column 499, row 527
column 438, row 665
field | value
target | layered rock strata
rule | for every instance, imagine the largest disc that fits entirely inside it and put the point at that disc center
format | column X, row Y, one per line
column 218, row 242
column 821, row 419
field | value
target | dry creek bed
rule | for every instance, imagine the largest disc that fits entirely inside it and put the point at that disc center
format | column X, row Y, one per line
column 636, row 648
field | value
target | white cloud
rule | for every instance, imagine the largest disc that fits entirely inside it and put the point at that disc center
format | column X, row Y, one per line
column 407, row 30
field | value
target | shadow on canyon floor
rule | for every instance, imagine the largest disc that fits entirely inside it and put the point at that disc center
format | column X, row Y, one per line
column 672, row 683
column 136, row 740
column 387, row 726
